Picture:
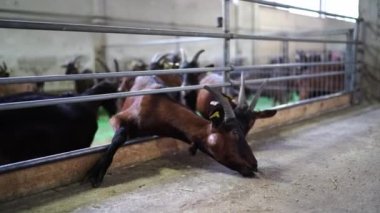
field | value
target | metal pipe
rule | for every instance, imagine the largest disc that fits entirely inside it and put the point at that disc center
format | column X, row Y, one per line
column 226, row 44
column 77, row 99
column 289, row 65
column 46, row 78
column 349, row 57
column 282, row 38
column 320, row 33
column 286, row 78
column 310, row 100
column 355, row 75
column 66, row 155
column 55, row 26
column 25, row 79
column 274, row 4
column 35, row 25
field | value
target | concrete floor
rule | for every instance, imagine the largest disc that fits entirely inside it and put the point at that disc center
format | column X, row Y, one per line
column 328, row 164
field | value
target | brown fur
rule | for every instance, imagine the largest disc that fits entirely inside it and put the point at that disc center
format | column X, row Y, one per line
column 158, row 114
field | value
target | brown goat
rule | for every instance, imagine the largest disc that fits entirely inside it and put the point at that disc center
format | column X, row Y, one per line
column 222, row 138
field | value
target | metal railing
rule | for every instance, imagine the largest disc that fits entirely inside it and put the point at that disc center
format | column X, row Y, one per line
column 274, row 4
column 352, row 41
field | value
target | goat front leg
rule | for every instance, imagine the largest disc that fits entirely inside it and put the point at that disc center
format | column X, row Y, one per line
column 96, row 174
column 193, row 149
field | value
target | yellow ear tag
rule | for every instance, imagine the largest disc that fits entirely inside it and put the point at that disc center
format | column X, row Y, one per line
column 215, row 114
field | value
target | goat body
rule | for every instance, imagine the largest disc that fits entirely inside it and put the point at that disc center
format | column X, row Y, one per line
column 222, row 138
column 40, row 131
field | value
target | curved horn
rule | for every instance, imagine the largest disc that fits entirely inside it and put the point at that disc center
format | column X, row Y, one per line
column 163, row 56
column 5, row 66
column 196, row 56
column 228, row 111
column 155, row 57
column 242, row 100
column 183, row 58
column 257, row 96
column 76, row 59
column 116, row 63
column 104, row 65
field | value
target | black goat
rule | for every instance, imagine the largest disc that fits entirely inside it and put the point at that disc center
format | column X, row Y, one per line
column 81, row 86
column 41, row 131
column 73, row 68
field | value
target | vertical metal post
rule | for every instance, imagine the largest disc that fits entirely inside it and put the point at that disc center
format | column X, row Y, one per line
column 355, row 70
column 349, row 71
column 284, row 85
column 226, row 49
column 285, row 51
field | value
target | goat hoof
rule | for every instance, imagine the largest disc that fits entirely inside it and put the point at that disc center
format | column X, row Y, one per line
column 96, row 174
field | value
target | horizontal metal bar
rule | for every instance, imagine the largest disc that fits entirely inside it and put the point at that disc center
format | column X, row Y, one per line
column 55, row 26
column 288, row 65
column 66, row 155
column 311, row 100
column 287, row 78
column 282, row 38
column 77, row 99
column 328, row 32
column 46, row 78
column 274, row 4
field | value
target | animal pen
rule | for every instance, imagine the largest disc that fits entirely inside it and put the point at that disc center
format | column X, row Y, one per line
column 301, row 83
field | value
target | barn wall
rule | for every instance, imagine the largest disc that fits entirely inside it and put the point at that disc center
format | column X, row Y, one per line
column 42, row 52
column 369, row 10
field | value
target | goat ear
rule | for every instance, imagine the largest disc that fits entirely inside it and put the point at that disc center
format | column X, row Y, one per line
column 265, row 114
column 216, row 115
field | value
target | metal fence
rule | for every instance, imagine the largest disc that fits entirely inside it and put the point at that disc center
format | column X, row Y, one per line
column 293, row 78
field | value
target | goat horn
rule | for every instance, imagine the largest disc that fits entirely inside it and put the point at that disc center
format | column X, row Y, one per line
column 196, row 56
column 183, row 58
column 116, row 63
column 76, row 59
column 155, row 57
column 242, row 97
column 257, row 96
column 162, row 57
column 104, row 65
column 228, row 111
